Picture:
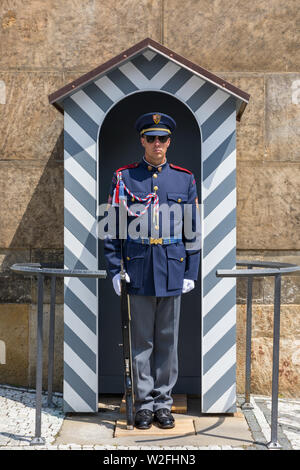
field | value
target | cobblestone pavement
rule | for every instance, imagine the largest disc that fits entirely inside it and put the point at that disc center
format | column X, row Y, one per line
column 17, row 423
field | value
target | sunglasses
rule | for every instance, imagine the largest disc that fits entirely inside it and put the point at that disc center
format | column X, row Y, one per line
column 162, row 138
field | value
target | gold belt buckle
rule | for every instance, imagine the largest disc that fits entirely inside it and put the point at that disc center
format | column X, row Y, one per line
column 156, row 241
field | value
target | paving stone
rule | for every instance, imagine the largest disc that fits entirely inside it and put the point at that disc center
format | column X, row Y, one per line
column 17, row 417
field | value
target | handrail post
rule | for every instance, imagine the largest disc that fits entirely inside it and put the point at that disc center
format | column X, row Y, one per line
column 51, row 341
column 39, row 364
column 247, row 405
column 274, row 444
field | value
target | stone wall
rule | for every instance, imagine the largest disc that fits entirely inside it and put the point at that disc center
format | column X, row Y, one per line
column 45, row 44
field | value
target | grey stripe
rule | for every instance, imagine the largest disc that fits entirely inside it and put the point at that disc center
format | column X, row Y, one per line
column 220, row 193
column 81, row 117
column 80, row 194
column 98, row 96
column 219, row 349
column 81, row 310
column 211, row 280
column 201, row 96
column 219, row 233
column 74, row 263
column 67, row 408
column 219, row 389
column 149, row 68
column 218, row 117
column 177, row 81
column 80, row 155
column 71, row 261
column 219, row 155
column 219, row 310
column 121, row 81
column 80, row 387
column 80, row 348
column 85, row 237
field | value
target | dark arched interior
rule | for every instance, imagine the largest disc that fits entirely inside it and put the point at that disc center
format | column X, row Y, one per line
column 119, row 145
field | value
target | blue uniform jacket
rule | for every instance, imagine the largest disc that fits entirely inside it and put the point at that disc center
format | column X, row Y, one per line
column 158, row 270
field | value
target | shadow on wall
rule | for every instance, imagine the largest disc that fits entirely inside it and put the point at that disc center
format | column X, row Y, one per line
column 39, row 234
column 32, row 231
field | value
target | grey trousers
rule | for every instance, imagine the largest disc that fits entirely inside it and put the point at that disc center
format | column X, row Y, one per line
column 154, row 339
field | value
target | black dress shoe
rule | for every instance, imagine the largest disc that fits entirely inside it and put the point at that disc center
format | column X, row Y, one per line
column 143, row 419
column 164, row 418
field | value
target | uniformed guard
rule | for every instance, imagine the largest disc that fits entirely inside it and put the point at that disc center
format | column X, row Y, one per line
column 161, row 261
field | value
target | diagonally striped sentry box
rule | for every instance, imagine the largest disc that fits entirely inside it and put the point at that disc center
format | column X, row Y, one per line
column 215, row 111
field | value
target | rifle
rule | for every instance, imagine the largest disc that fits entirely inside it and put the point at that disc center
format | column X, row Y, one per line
column 125, row 317
column 128, row 375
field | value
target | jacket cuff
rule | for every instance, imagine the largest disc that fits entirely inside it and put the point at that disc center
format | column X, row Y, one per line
column 192, row 266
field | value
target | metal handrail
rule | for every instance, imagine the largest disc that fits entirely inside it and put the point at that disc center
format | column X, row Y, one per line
column 52, row 270
column 277, row 270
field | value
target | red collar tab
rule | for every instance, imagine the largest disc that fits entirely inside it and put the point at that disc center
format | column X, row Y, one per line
column 131, row 165
column 180, row 168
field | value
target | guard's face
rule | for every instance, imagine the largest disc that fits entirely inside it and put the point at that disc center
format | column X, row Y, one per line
column 156, row 150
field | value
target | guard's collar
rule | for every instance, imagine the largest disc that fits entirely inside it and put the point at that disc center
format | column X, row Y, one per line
column 146, row 164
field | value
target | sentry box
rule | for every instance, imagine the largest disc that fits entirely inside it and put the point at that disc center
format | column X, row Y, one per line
column 100, row 109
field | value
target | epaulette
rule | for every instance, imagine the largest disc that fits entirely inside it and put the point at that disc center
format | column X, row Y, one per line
column 131, row 165
column 180, row 168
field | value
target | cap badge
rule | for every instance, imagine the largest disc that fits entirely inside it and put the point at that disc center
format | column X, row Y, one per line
column 156, row 118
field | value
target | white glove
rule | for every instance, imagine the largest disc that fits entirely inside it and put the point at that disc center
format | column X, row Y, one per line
column 117, row 282
column 188, row 285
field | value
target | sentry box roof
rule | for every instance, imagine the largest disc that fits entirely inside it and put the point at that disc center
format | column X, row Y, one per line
column 141, row 55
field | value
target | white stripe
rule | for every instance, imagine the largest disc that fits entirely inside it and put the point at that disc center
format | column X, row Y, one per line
column 109, row 88
column 226, row 401
column 219, row 135
column 80, row 175
column 219, row 330
column 219, row 251
column 79, row 212
column 211, row 104
column 219, row 369
column 79, row 366
column 82, row 292
column 165, row 73
column 79, row 251
column 220, row 212
column 88, row 106
column 80, row 136
column 224, row 169
column 80, row 329
column 75, row 400
column 149, row 54
column 141, row 82
column 217, row 293
column 190, row 87
column 134, row 75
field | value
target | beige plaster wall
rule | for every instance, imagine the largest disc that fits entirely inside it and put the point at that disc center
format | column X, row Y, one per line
column 45, row 44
